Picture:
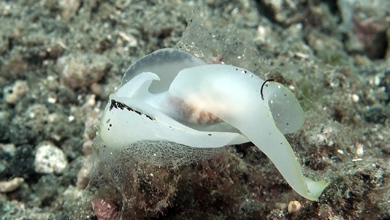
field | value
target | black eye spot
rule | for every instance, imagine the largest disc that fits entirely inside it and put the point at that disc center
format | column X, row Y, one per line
column 110, row 125
column 209, row 134
column 286, row 123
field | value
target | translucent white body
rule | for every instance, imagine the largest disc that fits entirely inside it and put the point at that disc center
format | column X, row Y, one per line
column 206, row 106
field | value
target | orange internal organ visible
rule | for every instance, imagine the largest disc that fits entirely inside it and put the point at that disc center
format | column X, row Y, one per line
column 192, row 114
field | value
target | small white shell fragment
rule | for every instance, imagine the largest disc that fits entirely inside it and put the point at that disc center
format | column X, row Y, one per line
column 302, row 55
column 50, row 159
column 377, row 80
column 355, row 98
column 129, row 38
column 359, row 150
column 70, row 118
column 357, row 159
column 261, row 30
column 10, row 185
column 52, row 98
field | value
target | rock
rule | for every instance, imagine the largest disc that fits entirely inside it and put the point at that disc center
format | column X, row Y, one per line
column 12, row 94
column 10, row 149
column 83, row 175
column 11, row 185
column 7, row 152
column 365, row 24
column 69, row 8
column 50, row 159
column 82, row 70
column 294, row 206
column 281, row 10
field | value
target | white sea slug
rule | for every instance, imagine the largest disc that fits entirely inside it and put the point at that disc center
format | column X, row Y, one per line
column 172, row 96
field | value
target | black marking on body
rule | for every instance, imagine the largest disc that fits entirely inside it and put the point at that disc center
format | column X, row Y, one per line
column 149, row 117
column 138, row 112
column 121, row 106
column 112, row 105
column 262, row 87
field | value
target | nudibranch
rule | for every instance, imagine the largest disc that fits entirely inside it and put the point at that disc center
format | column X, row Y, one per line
column 172, row 96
